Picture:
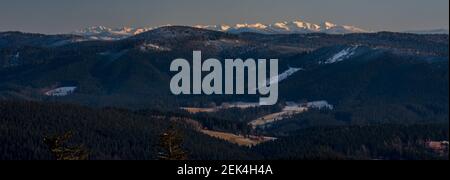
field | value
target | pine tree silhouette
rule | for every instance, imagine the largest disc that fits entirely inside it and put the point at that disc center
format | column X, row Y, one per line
column 171, row 144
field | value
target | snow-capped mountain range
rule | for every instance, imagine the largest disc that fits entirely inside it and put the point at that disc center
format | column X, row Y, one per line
column 293, row 27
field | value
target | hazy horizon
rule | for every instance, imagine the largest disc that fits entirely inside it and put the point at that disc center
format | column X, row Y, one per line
column 64, row 16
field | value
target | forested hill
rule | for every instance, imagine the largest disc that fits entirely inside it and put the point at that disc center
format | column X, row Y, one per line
column 111, row 134
column 122, row 134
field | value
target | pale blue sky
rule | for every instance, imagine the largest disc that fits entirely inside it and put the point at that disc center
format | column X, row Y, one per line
column 61, row 16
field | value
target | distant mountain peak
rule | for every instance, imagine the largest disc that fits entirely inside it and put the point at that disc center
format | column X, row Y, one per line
column 328, row 25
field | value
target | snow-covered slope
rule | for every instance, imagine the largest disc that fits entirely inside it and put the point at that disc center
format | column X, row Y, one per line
column 341, row 56
column 62, row 91
column 283, row 76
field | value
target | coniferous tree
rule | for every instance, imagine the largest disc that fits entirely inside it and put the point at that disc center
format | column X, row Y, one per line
column 171, row 145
